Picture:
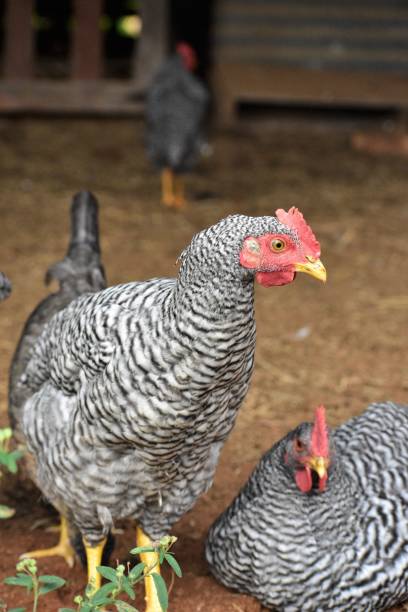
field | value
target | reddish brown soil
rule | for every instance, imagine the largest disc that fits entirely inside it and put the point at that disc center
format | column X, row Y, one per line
column 355, row 349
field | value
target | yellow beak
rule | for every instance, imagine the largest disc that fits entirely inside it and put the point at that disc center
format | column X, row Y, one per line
column 314, row 267
column 319, row 465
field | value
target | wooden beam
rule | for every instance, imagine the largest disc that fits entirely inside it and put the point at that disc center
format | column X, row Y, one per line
column 86, row 47
column 19, row 40
column 41, row 96
column 152, row 46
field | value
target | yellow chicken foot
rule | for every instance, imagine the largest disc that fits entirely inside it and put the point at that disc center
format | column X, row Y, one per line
column 152, row 561
column 94, row 558
column 62, row 549
column 167, row 182
column 179, row 200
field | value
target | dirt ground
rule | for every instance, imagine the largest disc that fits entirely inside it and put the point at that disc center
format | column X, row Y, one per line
column 343, row 344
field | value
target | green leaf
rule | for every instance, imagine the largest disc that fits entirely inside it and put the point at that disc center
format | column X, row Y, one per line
column 101, row 595
column 6, row 512
column 21, row 610
column 161, row 591
column 127, row 588
column 9, row 460
column 136, row 572
column 21, row 580
column 122, row 606
column 161, row 556
column 108, row 573
column 66, row 610
column 50, row 583
column 142, row 549
column 173, row 564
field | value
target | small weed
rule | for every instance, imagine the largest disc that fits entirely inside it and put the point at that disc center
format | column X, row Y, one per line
column 27, row 578
column 119, row 582
column 8, row 461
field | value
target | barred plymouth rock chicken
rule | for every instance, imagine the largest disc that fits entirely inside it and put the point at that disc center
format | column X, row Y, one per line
column 5, row 286
column 322, row 523
column 129, row 393
column 177, row 102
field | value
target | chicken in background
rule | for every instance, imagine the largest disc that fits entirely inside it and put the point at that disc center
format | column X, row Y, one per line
column 177, row 103
column 128, row 394
column 322, row 523
column 5, row 287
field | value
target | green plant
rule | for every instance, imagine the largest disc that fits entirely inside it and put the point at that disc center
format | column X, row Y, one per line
column 27, row 578
column 121, row 583
column 8, row 461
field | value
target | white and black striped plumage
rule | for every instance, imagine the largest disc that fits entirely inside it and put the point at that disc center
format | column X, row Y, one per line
column 5, row 287
column 79, row 272
column 129, row 393
column 176, row 106
column 343, row 548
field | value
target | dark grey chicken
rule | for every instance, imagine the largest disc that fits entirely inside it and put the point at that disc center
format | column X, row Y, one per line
column 129, row 393
column 79, row 272
column 177, row 102
column 5, row 287
column 322, row 523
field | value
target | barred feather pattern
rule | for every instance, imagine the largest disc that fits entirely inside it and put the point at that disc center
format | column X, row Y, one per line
column 133, row 390
column 342, row 549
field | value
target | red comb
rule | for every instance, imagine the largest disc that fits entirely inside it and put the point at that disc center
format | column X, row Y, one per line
column 295, row 220
column 320, row 436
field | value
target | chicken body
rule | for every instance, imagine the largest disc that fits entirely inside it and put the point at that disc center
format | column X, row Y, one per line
column 177, row 102
column 343, row 548
column 129, row 393
column 79, row 272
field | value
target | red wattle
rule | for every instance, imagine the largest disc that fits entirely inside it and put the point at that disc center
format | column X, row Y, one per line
column 304, row 479
column 274, row 279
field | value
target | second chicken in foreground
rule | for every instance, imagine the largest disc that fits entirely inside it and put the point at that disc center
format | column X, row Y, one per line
column 129, row 393
column 322, row 523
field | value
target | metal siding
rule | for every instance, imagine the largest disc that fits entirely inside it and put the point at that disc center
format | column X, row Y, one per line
column 347, row 35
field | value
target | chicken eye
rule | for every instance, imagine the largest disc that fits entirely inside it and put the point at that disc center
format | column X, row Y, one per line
column 298, row 445
column 278, row 245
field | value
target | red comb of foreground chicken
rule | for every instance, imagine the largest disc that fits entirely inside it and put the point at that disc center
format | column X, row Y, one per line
column 127, row 396
column 341, row 546
column 294, row 219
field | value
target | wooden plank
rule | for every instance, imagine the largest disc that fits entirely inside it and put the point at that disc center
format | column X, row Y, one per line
column 237, row 82
column 86, row 50
column 19, row 40
column 110, row 97
column 152, row 47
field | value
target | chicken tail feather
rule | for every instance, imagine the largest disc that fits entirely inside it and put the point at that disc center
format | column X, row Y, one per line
column 82, row 260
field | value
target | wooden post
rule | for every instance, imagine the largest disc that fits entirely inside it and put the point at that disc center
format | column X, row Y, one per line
column 19, row 43
column 86, row 46
column 152, row 46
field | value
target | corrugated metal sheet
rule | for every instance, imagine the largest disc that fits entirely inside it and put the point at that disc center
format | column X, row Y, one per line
column 321, row 34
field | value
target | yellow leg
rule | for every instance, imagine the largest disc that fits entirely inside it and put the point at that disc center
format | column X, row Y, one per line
column 94, row 558
column 179, row 197
column 62, row 549
column 151, row 559
column 167, row 181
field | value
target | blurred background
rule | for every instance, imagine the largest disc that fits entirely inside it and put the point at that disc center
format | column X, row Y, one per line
column 308, row 108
